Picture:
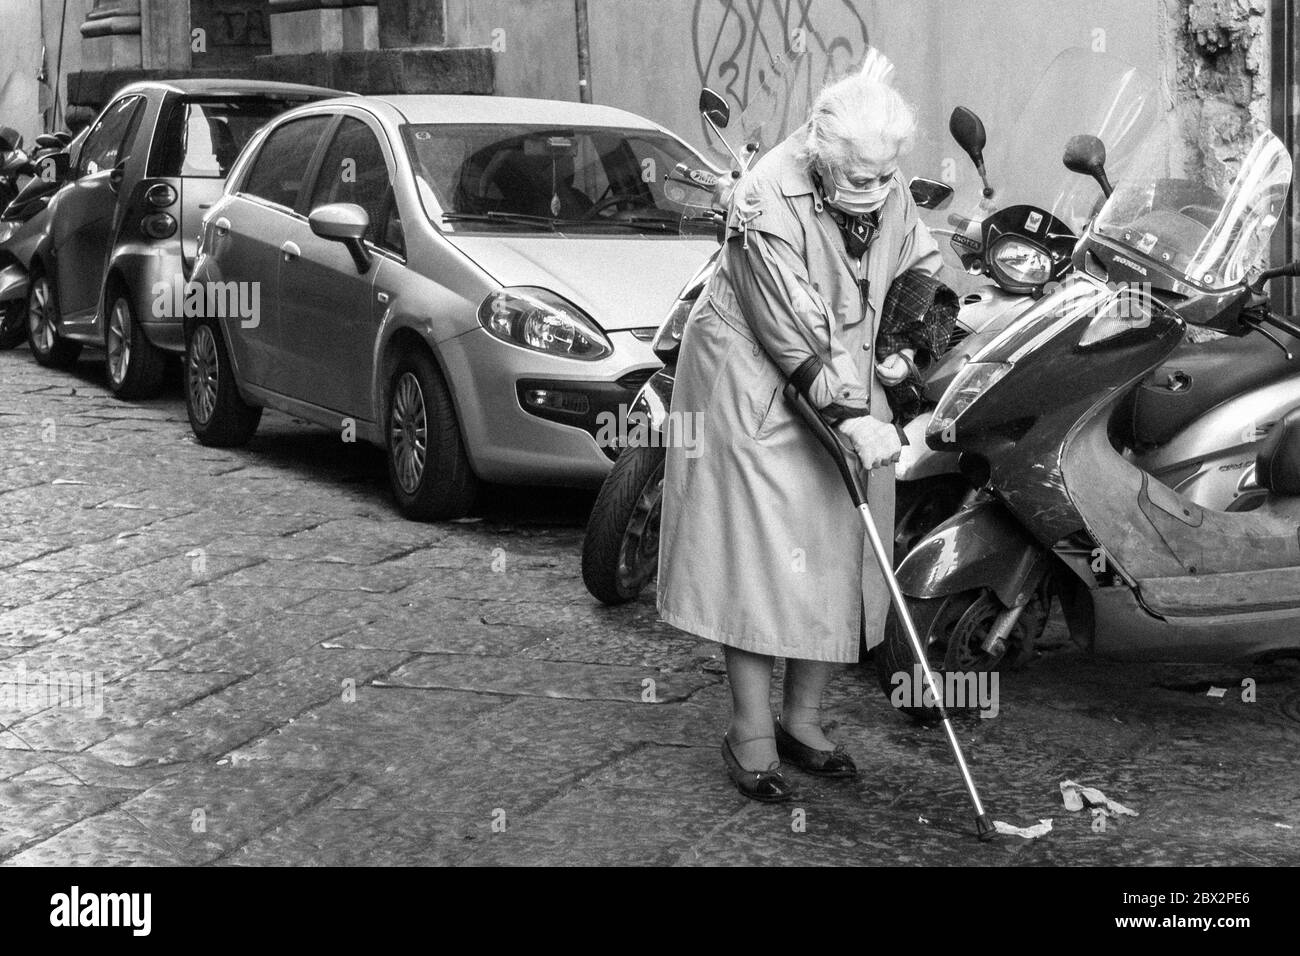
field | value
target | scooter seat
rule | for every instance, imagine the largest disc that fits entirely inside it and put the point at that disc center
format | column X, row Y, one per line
column 1277, row 465
column 1196, row 378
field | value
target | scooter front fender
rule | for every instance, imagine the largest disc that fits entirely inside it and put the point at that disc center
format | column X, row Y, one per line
column 654, row 400
column 982, row 546
column 13, row 283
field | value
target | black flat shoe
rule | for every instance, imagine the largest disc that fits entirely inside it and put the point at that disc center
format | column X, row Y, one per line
column 820, row 763
column 766, row 786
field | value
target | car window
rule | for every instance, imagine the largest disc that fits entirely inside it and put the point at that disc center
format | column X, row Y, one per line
column 576, row 175
column 109, row 141
column 202, row 137
column 354, row 171
column 281, row 165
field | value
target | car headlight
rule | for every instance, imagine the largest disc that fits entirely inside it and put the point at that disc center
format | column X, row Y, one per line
column 543, row 321
column 970, row 383
column 1021, row 262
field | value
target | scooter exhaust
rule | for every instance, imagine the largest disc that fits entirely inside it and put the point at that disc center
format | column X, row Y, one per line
column 984, row 828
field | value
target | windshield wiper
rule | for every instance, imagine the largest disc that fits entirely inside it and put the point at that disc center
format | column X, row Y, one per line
column 503, row 218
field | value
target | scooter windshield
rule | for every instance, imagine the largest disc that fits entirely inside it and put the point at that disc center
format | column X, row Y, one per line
column 1193, row 218
column 1079, row 92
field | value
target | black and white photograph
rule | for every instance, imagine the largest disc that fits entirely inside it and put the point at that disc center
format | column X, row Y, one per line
column 646, row 433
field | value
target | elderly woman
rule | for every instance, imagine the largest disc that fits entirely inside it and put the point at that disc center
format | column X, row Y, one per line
column 761, row 548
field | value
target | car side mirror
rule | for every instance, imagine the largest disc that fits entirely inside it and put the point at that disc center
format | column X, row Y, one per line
column 715, row 109
column 1086, row 154
column 343, row 222
column 929, row 193
column 49, row 141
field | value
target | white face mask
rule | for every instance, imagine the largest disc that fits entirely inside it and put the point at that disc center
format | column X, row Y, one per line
column 854, row 200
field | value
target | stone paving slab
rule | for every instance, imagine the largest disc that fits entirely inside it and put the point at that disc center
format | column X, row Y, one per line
column 329, row 683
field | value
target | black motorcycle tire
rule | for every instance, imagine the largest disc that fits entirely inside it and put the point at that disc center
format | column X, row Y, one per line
column 894, row 657
column 631, row 493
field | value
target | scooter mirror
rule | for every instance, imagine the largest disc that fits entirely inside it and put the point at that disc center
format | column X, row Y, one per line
column 968, row 130
column 1086, row 154
column 929, row 193
column 715, row 108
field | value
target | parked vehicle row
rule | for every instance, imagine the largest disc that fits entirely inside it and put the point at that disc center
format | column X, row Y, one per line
column 469, row 282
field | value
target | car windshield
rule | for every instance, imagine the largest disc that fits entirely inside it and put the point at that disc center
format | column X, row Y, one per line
column 1195, row 218
column 202, row 136
column 495, row 176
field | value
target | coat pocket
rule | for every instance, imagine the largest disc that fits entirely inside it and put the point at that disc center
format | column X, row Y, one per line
column 763, row 391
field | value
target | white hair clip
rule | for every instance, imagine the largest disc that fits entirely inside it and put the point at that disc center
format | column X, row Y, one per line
column 877, row 66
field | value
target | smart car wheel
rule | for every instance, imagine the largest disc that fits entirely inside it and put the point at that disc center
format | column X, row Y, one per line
column 218, row 416
column 48, row 347
column 135, row 365
column 427, row 464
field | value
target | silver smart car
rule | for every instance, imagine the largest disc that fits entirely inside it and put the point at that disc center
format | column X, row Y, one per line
column 471, row 282
column 120, row 233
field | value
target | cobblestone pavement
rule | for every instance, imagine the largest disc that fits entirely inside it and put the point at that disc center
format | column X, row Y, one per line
column 291, row 673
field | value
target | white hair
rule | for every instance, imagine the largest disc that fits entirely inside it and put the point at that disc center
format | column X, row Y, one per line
column 857, row 117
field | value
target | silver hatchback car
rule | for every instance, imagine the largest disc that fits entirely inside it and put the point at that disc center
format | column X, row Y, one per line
column 471, row 282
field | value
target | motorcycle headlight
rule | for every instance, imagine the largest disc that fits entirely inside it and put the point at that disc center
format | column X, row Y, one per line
column 1021, row 262
column 971, row 382
column 543, row 321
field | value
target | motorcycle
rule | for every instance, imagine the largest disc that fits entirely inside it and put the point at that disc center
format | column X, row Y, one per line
column 1143, row 572
column 1014, row 237
column 22, row 223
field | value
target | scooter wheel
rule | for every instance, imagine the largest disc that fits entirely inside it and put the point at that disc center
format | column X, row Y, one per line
column 620, row 553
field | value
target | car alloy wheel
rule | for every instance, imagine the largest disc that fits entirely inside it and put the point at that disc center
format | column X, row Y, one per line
column 409, row 431
column 203, row 370
column 119, row 341
column 39, row 318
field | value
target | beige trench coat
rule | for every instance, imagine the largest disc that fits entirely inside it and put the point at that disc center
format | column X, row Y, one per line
column 761, row 547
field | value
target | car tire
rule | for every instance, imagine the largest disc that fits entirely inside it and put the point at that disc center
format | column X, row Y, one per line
column 13, row 325
column 48, row 347
column 134, row 365
column 620, row 550
column 427, row 465
column 219, row 417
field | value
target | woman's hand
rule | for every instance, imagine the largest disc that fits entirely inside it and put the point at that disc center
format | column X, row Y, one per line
column 895, row 367
column 874, row 442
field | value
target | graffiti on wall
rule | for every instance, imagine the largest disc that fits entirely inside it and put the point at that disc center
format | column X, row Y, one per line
column 744, row 48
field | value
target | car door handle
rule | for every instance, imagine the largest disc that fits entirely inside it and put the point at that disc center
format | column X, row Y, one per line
column 205, row 205
column 222, row 226
column 291, row 251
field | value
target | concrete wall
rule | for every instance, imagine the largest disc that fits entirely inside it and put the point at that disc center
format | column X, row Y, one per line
column 21, row 100
column 652, row 58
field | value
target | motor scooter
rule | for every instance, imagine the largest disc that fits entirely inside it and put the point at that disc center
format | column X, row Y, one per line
column 23, row 222
column 1143, row 572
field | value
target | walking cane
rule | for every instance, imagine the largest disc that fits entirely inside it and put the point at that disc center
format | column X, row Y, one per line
column 794, row 394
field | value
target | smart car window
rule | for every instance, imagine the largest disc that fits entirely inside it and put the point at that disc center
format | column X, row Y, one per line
column 103, row 148
column 575, row 175
column 281, row 166
column 202, row 137
column 354, row 171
